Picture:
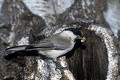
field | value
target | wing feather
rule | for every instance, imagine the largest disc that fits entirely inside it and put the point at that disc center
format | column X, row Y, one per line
column 50, row 43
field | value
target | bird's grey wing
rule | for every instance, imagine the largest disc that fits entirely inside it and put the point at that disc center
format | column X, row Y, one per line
column 40, row 46
column 51, row 43
column 47, row 46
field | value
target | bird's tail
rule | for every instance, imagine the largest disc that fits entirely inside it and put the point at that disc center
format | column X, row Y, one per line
column 20, row 51
column 17, row 48
column 25, row 48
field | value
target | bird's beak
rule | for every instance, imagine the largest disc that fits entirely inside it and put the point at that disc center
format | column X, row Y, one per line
column 81, row 38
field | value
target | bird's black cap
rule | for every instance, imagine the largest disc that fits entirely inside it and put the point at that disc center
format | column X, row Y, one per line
column 78, row 32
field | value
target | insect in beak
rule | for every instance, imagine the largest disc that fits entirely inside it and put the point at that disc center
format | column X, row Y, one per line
column 80, row 38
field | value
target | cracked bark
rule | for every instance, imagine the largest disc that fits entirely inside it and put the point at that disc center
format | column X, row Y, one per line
column 95, row 59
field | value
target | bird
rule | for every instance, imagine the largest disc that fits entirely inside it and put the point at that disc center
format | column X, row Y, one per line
column 53, row 46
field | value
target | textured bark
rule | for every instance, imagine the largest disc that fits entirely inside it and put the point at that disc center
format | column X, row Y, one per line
column 24, row 22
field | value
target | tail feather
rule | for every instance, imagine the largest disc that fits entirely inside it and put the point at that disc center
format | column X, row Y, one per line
column 17, row 48
column 29, row 48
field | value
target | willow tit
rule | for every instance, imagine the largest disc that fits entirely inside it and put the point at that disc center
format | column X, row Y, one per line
column 54, row 46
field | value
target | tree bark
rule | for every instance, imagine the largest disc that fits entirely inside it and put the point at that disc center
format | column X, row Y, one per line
column 29, row 21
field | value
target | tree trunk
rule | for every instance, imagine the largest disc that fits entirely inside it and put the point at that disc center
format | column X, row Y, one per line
column 25, row 22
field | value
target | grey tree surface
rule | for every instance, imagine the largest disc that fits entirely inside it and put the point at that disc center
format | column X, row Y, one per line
column 25, row 22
